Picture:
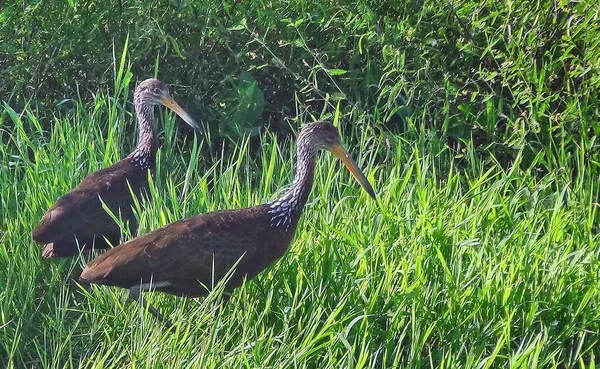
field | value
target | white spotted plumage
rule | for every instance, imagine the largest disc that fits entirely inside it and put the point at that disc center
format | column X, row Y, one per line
column 282, row 209
column 140, row 159
column 285, row 210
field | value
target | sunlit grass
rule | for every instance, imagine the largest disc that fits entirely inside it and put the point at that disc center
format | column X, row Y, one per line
column 474, row 268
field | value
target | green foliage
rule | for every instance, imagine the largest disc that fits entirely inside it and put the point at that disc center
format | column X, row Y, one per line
column 496, row 77
column 241, row 108
column 482, row 254
column 478, row 267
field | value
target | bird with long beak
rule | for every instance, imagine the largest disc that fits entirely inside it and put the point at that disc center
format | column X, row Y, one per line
column 188, row 257
column 77, row 220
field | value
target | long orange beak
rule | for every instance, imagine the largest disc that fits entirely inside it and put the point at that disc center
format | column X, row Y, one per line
column 172, row 104
column 339, row 151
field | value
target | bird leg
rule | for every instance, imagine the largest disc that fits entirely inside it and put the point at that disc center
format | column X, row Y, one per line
column 135, row 294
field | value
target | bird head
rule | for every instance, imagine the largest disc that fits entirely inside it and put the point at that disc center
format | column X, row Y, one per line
column 323, row 135
column 154, row 92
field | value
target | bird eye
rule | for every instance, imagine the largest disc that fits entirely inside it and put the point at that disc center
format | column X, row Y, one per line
column 156, row 91
column 330, row 137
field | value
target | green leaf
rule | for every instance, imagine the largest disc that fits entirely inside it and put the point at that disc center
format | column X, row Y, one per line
column 337, row 72
column 242, row 106
column 176, row 47
column 238, row 27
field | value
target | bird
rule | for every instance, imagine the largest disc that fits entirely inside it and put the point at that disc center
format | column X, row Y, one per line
column 186, row 258
column 77, row 220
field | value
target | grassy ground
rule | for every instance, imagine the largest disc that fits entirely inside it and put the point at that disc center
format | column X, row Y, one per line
column 476, row 122
column 459, row 263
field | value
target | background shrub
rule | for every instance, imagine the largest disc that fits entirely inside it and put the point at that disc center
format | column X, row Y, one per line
column 495, row 77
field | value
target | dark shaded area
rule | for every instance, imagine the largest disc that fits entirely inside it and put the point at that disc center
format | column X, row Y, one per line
column 500, row 79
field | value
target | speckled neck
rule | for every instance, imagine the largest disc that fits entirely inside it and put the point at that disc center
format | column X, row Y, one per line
column 144, row 153
column 286, row 210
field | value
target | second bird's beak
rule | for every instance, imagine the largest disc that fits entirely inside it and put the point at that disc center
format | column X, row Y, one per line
column 172, row 104
column 339, row 151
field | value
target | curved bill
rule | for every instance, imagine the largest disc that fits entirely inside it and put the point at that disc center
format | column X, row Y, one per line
column 339, row 151
column 172, row 104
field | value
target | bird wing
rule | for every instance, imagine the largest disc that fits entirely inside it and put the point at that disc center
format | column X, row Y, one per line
column 202, row 248
column 81, row 208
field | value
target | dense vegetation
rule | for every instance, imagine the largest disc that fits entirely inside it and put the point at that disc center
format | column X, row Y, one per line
column 499, row 75
column 476, row 122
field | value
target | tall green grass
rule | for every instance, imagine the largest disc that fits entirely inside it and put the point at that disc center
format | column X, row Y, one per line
column 454, row 266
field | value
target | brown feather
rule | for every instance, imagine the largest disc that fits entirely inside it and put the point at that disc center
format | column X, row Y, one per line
column 78, row 218
column 189, row 256
column 79, row 214
column 192, row 253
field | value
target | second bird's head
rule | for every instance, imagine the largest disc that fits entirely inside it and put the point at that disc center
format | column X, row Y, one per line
column 323, row 135
column 154, row 92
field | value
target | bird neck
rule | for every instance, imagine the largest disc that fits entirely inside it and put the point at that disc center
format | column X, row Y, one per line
column 146, row 135
column 286, row 210
column 147, row 145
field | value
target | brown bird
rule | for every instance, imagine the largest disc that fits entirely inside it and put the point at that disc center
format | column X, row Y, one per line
column 77, row 219
column 189, row 256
